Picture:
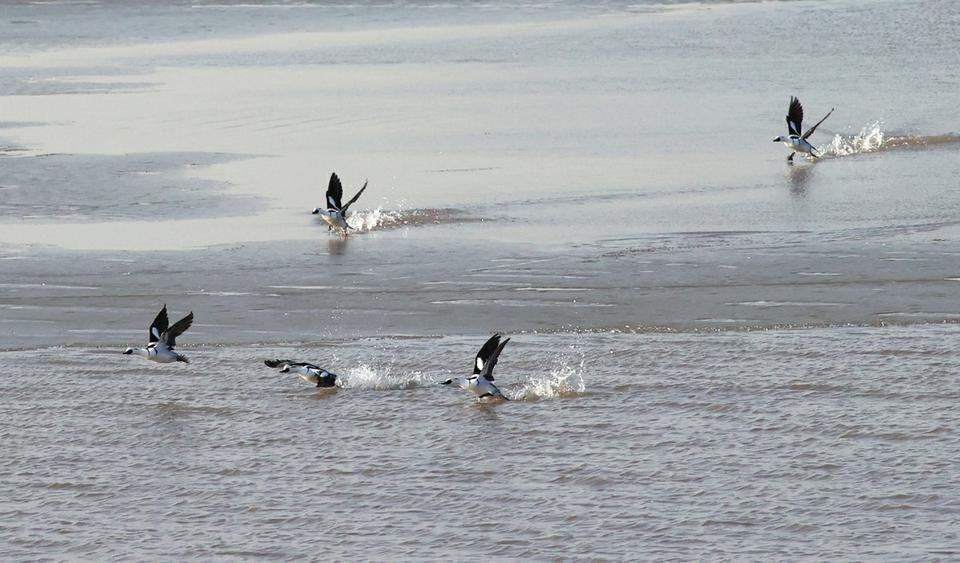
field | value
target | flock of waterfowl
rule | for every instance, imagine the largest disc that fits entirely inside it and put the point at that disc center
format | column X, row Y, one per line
column 162, row 337
column 162, row 340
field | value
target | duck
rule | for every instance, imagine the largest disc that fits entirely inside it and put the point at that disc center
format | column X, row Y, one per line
column 307, row 371
column 163, row 339
column 796, row 141
column 335, row 214
column 481, row 382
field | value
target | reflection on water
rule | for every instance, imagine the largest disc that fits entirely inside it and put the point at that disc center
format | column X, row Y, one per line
column 337, row 244
column 799, row 175
column 322, row 394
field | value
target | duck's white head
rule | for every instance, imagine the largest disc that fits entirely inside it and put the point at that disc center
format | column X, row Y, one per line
column 128, row 351
column 458, row 381
column 285, row 368
column 780, row 139
column 316, row 210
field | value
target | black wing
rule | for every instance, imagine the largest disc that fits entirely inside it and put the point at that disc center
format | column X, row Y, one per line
column 485, row 351
column 795, row 117
column 276, row 363
column 487, row 356
column 355, row 198
column 280, row 363
column 814, row 128
column 334, row 192
column 159, row 325
column 487, row 371
column 170, row 335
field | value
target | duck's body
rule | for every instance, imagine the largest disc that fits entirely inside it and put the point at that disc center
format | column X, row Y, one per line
column 158, row 352
column 334, row 219
column 307, row 371
column 796, row 141
column 799, row 144
column 163, row 339
column 481, row 382
column 335, row 213
column 311, row 374
column 478, row 386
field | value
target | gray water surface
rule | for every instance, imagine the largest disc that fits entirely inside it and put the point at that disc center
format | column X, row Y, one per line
column 714, row 354
column 814, row 444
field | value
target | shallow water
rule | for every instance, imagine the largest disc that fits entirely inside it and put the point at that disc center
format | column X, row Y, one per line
column 714, row 355
column 813, row 443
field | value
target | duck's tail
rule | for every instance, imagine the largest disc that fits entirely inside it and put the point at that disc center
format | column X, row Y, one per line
column 182, row 358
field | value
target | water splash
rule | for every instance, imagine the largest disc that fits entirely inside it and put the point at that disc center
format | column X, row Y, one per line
column 368, row 377
column 869, row 139
column 366, row 221
column 564, row 380
column 381, row 219
column 872, row 138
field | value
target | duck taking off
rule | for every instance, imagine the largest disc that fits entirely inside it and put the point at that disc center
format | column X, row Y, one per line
column 335, row 214
column 796, row 141
column 163, row 339
column 481, row 382
column 307, row 371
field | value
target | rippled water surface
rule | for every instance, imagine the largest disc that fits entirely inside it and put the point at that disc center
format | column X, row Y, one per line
column 801, row 444
column 715, row 355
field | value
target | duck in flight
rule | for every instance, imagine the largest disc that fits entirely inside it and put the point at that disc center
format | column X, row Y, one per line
column 481, row 382
column 797, row 140
column 307, row 371
column 335, row 214
column 163, row 338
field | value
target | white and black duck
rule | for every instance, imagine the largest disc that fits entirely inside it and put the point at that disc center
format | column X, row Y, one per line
column 335, row 213
column 481, row 382
column 163, row 339
column 796, row 141
column 307, row 371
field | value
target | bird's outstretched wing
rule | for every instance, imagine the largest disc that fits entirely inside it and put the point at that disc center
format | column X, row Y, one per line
column 334, row 192
column 159, row 325
column 276, row 363
column 355, row 198
column 170, row 335
column 495, row 392
column 485, row 351
column 814, row 128
column 492, row 347
column 795, row 117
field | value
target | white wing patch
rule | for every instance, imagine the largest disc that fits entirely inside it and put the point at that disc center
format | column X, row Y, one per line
column 331, row 203
column 156, row 333
column 480, row 364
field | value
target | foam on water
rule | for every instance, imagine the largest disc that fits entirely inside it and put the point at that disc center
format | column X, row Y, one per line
column 366, row 376
column 869, row 139
column 872, row 138
column 564, row 380
column 382, row 219
column 366, row 221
